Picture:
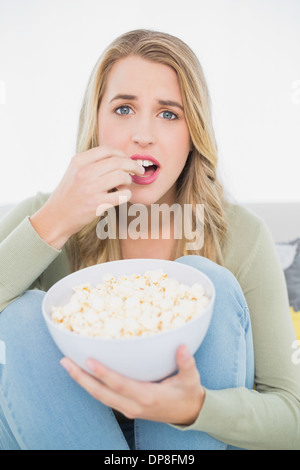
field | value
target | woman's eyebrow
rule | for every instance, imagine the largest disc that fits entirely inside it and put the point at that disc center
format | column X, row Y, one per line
column 171, row 103
column 135, row 98
column 124, row 97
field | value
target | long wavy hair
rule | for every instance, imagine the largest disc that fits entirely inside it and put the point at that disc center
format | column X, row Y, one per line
column 198, row 182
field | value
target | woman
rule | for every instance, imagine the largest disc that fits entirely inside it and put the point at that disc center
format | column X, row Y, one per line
column 147, row 99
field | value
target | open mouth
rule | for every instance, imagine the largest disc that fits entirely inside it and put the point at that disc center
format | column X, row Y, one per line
column 151, row 170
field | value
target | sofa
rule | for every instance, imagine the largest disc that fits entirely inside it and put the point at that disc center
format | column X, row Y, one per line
column 283, row 220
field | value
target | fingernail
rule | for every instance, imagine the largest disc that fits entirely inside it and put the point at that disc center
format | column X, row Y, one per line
column 185, row 353
column 90, row 365
column 65, row 365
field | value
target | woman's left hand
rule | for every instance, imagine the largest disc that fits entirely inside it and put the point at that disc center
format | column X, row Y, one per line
column 175, row 400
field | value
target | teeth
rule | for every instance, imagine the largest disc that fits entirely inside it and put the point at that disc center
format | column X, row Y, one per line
column 145, row 162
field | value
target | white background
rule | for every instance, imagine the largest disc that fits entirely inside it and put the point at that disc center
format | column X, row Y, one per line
column 250, row 52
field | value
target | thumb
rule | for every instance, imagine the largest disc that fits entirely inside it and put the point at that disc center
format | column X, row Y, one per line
column 185, row 361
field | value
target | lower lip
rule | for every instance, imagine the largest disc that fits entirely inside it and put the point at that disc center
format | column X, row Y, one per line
column 145, row 179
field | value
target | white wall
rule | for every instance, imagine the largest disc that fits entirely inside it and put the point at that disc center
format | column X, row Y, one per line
column 250, row 52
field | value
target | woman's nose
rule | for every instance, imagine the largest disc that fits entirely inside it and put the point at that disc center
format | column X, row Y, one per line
column 143, row 133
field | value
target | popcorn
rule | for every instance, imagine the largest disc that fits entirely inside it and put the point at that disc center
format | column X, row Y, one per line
column 130, row 306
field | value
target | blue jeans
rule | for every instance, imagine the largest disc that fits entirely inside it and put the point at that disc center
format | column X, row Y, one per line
column 43, row 408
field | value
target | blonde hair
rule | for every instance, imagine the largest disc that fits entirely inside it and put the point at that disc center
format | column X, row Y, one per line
column 198, row 182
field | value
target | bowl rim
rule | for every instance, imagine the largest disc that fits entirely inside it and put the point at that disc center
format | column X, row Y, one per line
column 72, row 334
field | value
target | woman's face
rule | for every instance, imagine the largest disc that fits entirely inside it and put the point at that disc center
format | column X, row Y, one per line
column 141, row 113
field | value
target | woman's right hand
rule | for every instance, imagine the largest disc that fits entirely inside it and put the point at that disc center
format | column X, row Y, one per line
column 84, row 187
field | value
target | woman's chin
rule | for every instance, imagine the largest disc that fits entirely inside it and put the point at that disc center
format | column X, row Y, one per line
column 142, row 199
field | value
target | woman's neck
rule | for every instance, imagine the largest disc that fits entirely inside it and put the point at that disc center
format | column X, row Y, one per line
column 150, row 230
column 152, row 240
column 159, row 249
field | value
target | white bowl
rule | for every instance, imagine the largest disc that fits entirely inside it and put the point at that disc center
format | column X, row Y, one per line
column 148, row 358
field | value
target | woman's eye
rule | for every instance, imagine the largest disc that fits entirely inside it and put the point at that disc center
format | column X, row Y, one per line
column 123, row 110
column 169, row 115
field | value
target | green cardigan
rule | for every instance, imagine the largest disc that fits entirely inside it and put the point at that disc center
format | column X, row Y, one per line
column 265, row 418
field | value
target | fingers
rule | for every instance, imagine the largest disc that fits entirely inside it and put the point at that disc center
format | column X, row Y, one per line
column 86, row 185
column 109, row 165
column 118, row 383
column 186, row 364
column 114, row 163
column 110, row 159
column 96, row 154
column 92, row 385
column 104, row 169
column 175, row 400
column 131, row 397
column 112, row 389
column 113, row 199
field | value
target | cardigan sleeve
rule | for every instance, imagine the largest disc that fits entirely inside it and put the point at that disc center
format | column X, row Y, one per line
column 23, row 254
column 267, row 417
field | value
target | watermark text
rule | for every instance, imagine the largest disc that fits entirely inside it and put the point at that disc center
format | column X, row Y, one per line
column 159, row 221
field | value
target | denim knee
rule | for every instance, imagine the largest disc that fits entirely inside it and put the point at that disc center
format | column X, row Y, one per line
column 20, row 313
column 211, row 269
column 229, row 298
column 224, row 281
